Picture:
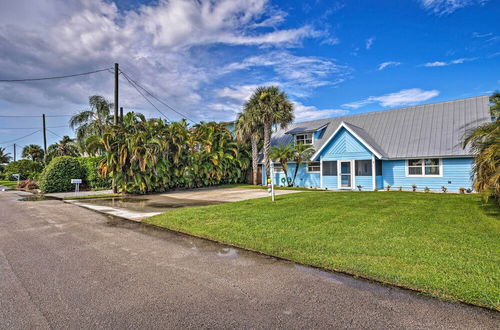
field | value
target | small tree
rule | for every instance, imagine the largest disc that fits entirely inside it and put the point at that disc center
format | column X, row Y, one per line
column 282, row 154
column 33, row 152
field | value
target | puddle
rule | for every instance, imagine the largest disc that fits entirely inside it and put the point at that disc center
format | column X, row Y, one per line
column 153, row 203
column 36, row 198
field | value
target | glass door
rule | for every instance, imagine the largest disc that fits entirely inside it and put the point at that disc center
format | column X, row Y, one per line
column 345, row 174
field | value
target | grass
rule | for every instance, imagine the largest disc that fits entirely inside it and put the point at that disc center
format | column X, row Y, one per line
column 249, row 186
column 93, row 196
column 10, row 184
column 445, row 245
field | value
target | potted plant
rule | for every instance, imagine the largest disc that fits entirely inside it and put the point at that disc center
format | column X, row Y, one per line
column 468, row 190
column 414, row 187
column 444, row 189
column 400, row 188
column 359, row 187
column 426, row 189
column 388, row 188
column 462, row 190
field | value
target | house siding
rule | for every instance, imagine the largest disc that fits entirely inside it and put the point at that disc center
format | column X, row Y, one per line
column 456, row 174
column 303, row 179
column 344, row 146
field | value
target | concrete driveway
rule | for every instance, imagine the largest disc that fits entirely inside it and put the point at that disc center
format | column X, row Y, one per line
column 62, row 266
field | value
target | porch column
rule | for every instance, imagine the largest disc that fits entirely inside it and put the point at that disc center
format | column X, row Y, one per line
column 374, row 177
column 321, row 172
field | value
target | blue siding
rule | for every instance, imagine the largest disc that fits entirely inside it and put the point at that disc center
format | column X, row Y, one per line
column 344, row 146
column 330, row 182
column 455, row 170
column 379, row 181
column 364, row 181
column 303, row 179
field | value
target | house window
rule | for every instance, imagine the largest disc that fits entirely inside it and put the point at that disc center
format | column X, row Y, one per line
column 313, row 167
column 278, row 168
column 424, row 167
column 330, row 168
column 304, row 138
column 363, row 168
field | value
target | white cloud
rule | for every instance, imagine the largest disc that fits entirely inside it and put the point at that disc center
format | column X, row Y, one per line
column 446, row 7
column 168, row 46
column 369, row 42
column 403, row 97
column 457, row 61
column 384, row 65
column 309, row 112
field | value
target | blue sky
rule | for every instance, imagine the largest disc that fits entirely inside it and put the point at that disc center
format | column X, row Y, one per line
column 205, row 57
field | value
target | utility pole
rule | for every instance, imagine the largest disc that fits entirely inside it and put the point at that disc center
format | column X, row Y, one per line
column 44, row 138
column 14, row 152
column 116, row 94
column 121, row 114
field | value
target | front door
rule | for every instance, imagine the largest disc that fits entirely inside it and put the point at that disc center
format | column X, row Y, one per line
column 345, row 175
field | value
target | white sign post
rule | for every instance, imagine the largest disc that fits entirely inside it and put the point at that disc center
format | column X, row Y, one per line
column 77, row 184
column 272, row 181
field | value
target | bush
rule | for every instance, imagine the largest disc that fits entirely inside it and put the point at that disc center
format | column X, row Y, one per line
column 56, row 177
column 92, row 178
column 27, row 169
column 27, row 184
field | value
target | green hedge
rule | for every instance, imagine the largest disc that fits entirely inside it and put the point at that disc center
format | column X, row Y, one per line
column 92, row 177
column 27, row 169
column 56, row 177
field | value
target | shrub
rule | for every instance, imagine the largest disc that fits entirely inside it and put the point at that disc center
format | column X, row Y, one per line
column 462, row 190
column 27, row 169
column 93, row 178
column 28, row 184
column 444, row 189
column 388, row 188
column 400, row 188
column 359, row 187
column 414, row 187
column 426, row 189
column 56, row 177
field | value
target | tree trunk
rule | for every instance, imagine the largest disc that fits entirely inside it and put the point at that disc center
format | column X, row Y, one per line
column 297, row 164
column 267, row 146
column 255, row 159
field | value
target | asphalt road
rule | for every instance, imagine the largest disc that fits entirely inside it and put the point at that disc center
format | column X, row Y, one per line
column 62, row 266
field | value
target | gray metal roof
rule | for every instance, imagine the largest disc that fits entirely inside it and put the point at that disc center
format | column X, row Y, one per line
column 430, row 130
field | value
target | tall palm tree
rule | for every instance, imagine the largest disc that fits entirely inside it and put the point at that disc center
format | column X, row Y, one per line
column 300, row 153
column 4, row 157
column 33, row 152
column 65, row 147
column 248, row 128
column 484, row 142
column 272, row 107
column 282, row 153
column 92, row 121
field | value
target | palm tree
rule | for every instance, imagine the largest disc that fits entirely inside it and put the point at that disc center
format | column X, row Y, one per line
column 65, row 147
column 271, row 107
column 248, row 128
column 92, row 121
column 484, row 142
column 300, row 153
column 4, row 157
column 282, row 154
column 33, row 152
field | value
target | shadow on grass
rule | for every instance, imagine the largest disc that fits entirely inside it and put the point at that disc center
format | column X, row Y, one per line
column 490, row 208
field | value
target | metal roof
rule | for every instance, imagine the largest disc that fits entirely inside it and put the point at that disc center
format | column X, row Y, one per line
column 430, row 130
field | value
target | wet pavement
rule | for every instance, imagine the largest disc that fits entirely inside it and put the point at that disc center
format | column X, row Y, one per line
column 62, row 266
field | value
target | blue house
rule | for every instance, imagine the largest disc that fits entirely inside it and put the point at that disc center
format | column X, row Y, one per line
column 419, row 145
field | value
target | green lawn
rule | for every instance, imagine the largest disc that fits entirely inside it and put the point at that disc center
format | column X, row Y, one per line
column 249, row 186
column 10, row 184
column 446, row 245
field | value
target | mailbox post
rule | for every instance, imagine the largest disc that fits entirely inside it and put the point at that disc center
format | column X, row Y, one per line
column 76, row 182
column 17, row 176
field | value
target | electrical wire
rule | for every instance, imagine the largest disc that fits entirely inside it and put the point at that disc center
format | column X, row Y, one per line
column 56, row 77
column 33, row 116
column 54, row 133
column 8, row 128
column 144, row 96
column 22, row 137
column 156, row 98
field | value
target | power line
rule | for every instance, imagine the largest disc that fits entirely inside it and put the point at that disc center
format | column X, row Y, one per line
column 156, row 98
column 33, row 127
column 54, row 133
column 144, row 96
column 22, row 137
column 32, row 116
column 56, row 77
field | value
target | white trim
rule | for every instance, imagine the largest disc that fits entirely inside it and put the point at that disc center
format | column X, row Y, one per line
column 374, row 175
column 312, row 137
column 343, row 125
column 423, row 175
column 339, row 174
column 321, row 172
